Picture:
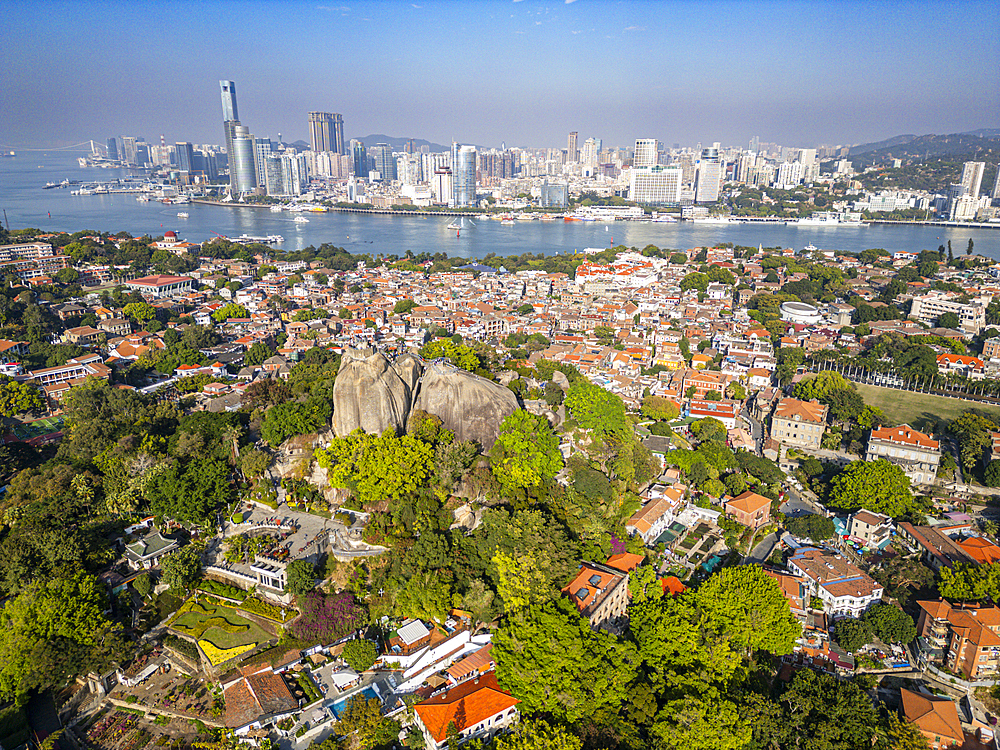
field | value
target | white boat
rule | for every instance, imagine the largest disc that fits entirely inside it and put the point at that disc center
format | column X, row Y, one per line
column 182, row 214
column 143, row 198
column 714, row 220
column 300, row 220
column 507, row 222
column 276, row 209
column 822, row 221
column 810, row 248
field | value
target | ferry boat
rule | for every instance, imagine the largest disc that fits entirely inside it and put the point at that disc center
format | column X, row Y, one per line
column 182, row 214
column 714, row 220
column 300, row 220
column 271, row 239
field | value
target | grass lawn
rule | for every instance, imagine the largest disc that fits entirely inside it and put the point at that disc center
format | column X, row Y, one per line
column 219, row 625
column 919, row 410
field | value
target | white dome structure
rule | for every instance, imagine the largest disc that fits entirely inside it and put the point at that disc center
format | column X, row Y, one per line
column 800, row 313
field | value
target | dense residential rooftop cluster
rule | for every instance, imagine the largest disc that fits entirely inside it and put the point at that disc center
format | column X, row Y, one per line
column 585, row 450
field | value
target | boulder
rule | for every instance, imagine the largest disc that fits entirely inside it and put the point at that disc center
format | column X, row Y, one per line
column 468, row 405
column 560, row 379
column 372, row 393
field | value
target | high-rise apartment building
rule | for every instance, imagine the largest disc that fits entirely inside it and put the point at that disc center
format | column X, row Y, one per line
column 326, row 130
column 128, row 150
column 709, row 175
column 185, row 156
column 646, row 153
column 591, row 152
column 262, row 147
column 384, row 162
column 972, row 177
column 572, row 153
column 360, row 157
column 113, row 149
column 996, row 185
column 463, row 168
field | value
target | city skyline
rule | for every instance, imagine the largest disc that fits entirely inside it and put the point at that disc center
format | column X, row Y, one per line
column 678, row 72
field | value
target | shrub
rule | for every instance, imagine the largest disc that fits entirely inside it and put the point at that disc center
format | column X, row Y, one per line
column 218, row 655
column 360, row 654
column 265, row 609
column 327, row 617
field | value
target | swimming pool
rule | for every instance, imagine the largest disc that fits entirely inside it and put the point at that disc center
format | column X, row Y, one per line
column 711, row 563
column 339, row 706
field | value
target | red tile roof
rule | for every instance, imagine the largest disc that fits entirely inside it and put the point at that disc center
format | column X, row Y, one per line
column 467, row 705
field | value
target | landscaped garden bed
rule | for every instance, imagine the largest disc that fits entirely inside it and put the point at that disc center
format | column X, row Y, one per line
column 219, row 630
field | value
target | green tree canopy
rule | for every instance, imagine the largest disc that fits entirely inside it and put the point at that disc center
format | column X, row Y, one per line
column 890, row 623
column 551, row 660
column 749, row 606
column 376, row 467
column 182, row 567
column 360, row 654
column 526, row 452
column 18, row 398
column 659, row 408
column 301, row 577
column 878, row 486
column 812, row 526
column 51, row 631
column 230, row 310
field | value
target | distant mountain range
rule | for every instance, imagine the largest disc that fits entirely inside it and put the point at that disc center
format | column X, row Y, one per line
column 924, row 146
column 398, row 144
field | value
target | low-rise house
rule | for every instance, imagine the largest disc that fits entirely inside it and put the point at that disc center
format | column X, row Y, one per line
column 749, row 509
column 116, row 326
column 653, row 518
column 256, row 699
column 917, row 454
column 981, row 550
column 479, row 708
column 600, row 593
column 148, row 551
column 962, row 365
column 727, row 412
column 411, row 636
column 935, row 716
column 936, row 548
column 870, row 529
column 964, row 638
column 799, row 423
column 82, row 336
column 844, row 589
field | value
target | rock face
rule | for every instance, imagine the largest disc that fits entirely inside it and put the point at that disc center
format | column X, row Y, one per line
column 373, row 394
column 468, row 405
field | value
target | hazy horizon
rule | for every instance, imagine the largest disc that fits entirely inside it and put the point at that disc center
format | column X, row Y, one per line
column 524, row 72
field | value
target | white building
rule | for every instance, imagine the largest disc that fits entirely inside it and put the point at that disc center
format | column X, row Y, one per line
column 656, row 184
column 844, row 589
column 646, row 153
column 789, row 175
column 914, row 452
column 929, row 307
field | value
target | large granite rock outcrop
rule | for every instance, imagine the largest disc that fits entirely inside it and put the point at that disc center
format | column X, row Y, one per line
column 468, row 405
column 372, row 393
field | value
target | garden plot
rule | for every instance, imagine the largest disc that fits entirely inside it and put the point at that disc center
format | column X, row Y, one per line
column 221, row 632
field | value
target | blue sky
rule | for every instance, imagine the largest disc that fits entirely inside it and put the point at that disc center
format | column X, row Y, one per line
column 524, row 72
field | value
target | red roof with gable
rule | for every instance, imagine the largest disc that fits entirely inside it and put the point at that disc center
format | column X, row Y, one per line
column 466, row 704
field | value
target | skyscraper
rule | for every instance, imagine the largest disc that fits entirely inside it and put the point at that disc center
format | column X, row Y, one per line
column 262, row 147
column 360, row 157
column 645, row 154
column 572, row 153
column 463, row 167
column 996, row 185
column 229, row 109
column 327, row 131
column 972, row 177
column 384, row 162
column 242, row 169
column 113, row 149
column 185, row 156
column 709, row 176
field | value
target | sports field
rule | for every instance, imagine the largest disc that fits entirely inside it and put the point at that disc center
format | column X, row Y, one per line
column 919, row 410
